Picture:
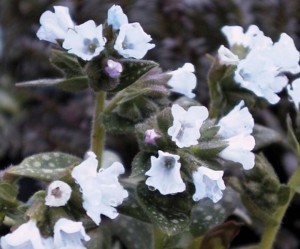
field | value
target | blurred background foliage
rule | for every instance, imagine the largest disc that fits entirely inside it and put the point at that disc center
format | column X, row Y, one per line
column 45, row 119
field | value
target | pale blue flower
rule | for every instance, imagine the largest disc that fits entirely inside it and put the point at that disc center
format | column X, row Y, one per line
column 164, row 174
column 183, row 80
column 69, row 234
column 26, row 236
column 85, row 40
column 58, row 194
column 226, row 57
column 101, row 191
column 54, row 26
column 132, row 41
column 116, row 17
column 185, row 131
column 235, row 129
column 208, row 183
column 294, row 92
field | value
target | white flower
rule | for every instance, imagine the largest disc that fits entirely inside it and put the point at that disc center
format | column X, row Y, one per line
column 85, row 40
column 26, row 236
column 185, row 131
column 294, row 92
column 151, row 136
column 58, row 194
column 164, row 174
column 238, row 121
column 69, row 234
column 183, row 80
column 132, row 41
column 260, row 75
column 116, row 17
column 239, row 150
column 254, row 37
column 101, row 191
column 226, row 57
column 236, row 128
column 113, row 69
column 54, row 26
column 208, row 183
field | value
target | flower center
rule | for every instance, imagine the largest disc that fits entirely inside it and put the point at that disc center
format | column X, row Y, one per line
column 91, row 45
column 56, row 192
column 169, row 162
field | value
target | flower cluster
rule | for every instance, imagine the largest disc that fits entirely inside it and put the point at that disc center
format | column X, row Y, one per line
column 262, row 68
column 87, row 41
column 67, row 234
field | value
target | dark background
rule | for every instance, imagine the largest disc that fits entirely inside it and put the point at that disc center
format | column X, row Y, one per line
column 44, row 119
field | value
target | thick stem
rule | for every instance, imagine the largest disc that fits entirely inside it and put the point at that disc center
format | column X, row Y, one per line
column 98, row 131
column 271, row 231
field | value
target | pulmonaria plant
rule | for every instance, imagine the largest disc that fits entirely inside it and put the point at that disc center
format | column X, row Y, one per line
column 181, row 186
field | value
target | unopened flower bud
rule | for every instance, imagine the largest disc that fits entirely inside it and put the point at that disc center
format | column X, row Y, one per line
column 151, row 136
column 58, row 194
column 114, row 69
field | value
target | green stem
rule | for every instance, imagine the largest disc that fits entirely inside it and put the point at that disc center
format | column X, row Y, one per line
column 159, row 238
column 271, row 231
column 196, row 244
column 113, row 102
column 98, row 131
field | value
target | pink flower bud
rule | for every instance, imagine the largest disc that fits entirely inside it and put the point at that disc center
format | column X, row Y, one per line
column 151, row 136
column 114, row 69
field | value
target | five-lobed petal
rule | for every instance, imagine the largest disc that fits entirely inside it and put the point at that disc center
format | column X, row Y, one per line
column 164, row 174
column 185, row 131
column 208, row 183
column 85, row 40
column 54, row 26
column 101, row 191
column 132, row 41
column 183, row 80
column 58, row 194
column 116, row 17
column 294, row 92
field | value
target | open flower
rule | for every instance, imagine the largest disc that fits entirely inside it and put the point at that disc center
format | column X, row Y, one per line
column 132, row 41
column 294, row 92
column 183, row 80
column 58, row 194
column 85, row 40
column 54, row 26
column 236, row 128
column 116, row 17
column 226, row 57
column 208, row 183
column 101, row 191
column 164, row 174
column 69, row 234
column 25, row 236
column 185, row 131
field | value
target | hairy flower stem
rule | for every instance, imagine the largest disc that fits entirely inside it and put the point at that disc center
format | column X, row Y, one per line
column 271, row 231
column 98, row 131
column 159, row 238
column 113, row 102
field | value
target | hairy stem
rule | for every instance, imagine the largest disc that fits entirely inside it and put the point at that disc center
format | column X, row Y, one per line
column 159, row 238
column 271, row 231
column 98, row 131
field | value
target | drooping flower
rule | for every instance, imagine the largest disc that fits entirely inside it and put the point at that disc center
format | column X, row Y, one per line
column 151, row 136
column 69, row 234
column 116, row 17
column 185, row 131
column 132, row 41
column 25, row 236
column 208, row 183
column 85, row 40
column 294, row 92
column 226, row 57
column 101, row 191
column 164, row 174
column 58, row 194
column 113, row 68
column 236, row 128
column 183, row 80
column 54, row 26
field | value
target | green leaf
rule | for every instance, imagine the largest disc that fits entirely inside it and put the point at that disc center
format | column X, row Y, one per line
column 45, row 166
column 74, row 84
column 66, row 63
column 8, row 195
column 133, row 233
column 169, row 213
column 132, row 70
column 140, row 164
column 115, row 124
column 100, row 238
column 265, row 136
